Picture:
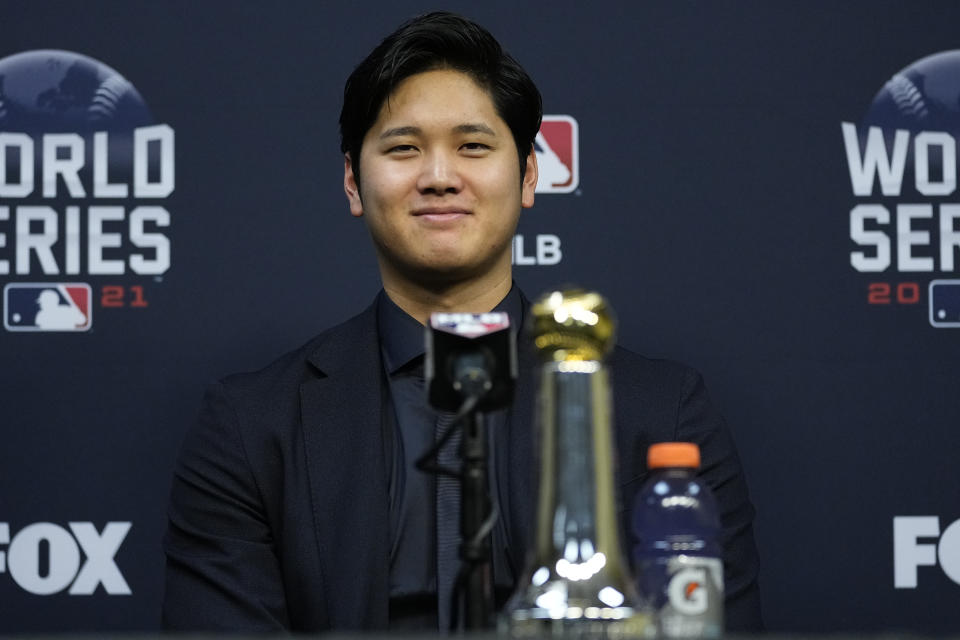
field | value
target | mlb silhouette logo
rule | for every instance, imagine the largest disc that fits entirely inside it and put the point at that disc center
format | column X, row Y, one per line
column 47, row 306
column 945, row 303
column 558, row 155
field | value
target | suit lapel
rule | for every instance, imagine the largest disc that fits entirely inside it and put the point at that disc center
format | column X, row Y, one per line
column 520, row 457
column 340, row 413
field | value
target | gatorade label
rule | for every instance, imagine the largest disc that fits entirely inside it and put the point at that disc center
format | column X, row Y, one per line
column 687, row 592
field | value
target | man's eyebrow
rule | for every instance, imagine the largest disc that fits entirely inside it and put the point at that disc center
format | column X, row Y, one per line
column 474, row 128
column 400, row 131
column 410, row 130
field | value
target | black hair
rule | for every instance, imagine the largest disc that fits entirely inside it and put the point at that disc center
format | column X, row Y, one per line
column 440, row 40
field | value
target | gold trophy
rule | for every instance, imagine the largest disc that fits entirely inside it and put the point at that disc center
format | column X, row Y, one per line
column 576, row 582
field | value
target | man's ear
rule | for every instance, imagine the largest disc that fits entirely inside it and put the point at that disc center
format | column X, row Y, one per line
column 352, row 187
column 529, row 184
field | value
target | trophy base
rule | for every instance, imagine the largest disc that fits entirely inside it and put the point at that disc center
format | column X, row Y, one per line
column 597, row 623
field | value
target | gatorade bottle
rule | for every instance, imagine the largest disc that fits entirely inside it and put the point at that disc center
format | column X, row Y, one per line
column 677, row 555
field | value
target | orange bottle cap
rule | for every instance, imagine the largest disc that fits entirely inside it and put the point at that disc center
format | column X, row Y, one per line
column 673, row 454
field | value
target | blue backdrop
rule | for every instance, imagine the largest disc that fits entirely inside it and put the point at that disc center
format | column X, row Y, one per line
column 713, row 200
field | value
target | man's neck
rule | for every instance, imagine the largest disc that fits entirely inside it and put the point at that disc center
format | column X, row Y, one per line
column 473, row 296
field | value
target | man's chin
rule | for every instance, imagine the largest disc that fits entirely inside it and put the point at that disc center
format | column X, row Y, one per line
column 447, row 271
column 441, row 272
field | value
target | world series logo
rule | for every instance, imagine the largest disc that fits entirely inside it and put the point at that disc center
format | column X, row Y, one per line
column 902, row 161
column 84, row 175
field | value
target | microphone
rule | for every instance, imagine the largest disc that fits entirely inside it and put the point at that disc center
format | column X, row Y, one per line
column 470, row 355
column 470, row 368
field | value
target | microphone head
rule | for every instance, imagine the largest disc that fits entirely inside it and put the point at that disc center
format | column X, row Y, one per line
column 480, row 346
column 573, row 325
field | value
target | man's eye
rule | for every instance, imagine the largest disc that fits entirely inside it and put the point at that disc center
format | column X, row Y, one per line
column 476, row 146
column 402, row 148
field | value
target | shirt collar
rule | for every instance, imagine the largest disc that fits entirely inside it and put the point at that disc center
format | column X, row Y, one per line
column 402, row 337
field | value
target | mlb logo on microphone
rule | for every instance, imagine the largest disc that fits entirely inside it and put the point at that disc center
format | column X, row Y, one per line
column 47, row 306
column 558, row 155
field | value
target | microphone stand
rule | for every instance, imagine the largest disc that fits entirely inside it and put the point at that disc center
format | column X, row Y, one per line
column 470, row 367
column 476, row 523
column 473, row 587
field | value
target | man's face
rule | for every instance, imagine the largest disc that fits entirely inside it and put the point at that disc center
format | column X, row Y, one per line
column 440, row 185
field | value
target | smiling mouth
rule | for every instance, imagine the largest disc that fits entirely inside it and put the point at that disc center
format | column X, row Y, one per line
column 440, row 215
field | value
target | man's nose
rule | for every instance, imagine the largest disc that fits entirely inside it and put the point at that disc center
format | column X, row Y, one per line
column 440, row 174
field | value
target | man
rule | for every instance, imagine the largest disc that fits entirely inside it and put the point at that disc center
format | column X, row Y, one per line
column 296, row 504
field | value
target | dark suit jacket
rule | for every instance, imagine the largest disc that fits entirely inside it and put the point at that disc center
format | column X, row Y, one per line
column 279, row 506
